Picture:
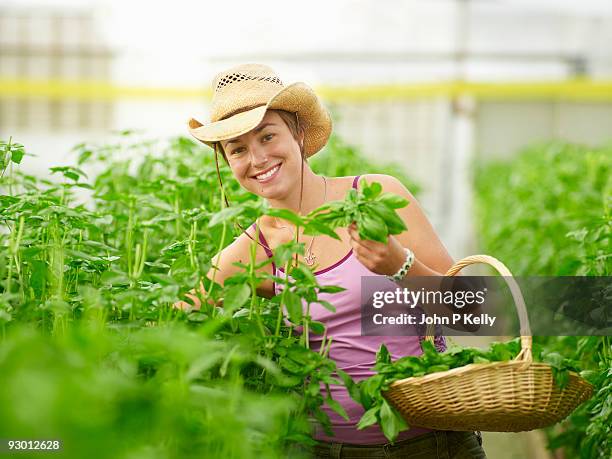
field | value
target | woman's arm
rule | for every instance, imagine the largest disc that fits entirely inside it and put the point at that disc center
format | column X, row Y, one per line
column 431, row 257
column 237, row 252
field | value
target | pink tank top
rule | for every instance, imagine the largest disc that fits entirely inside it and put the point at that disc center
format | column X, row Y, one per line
column 352, row 352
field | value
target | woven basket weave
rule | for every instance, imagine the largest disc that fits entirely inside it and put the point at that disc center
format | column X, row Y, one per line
column 511, row 396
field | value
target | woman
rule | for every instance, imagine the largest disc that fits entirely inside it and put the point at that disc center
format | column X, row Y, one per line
column 266, row 132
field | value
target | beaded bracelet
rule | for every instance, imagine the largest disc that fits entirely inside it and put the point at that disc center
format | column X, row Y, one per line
column 398, row 276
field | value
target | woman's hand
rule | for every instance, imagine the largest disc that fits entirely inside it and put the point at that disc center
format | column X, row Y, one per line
column 385, row 259
column 197, row 304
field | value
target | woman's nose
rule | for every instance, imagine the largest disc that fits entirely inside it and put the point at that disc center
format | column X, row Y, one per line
column 258, row 156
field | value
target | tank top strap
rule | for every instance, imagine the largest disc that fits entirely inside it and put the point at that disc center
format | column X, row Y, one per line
column 263, row 241
column 356, row 181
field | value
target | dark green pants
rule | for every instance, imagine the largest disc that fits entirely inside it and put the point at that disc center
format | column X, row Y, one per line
column 439, row 444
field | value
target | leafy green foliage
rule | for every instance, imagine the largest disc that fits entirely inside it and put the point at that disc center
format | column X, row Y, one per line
column 92, row 351
column 547, row 212
column 373, row 212
column 161, row 391
column 552, row 206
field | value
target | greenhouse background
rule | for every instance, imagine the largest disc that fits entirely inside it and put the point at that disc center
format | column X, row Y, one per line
column 434, row 86
column 429, row 84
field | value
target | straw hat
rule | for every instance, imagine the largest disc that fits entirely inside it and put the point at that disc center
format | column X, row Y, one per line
column 241, row 96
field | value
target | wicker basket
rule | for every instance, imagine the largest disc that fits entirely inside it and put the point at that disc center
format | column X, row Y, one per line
column 509, row 396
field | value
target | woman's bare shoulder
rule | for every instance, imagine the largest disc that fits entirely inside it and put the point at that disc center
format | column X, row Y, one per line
column 339, row 186
column 389, row 184
column 383, row 179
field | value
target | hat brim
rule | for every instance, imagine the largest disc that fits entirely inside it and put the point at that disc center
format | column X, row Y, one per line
column 297, row 97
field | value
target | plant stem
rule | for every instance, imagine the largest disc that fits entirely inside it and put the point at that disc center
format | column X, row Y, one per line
column 306, row 321
column 253, row 284
column 191, row 245
column 16, row 256
column 221, row 245
column 177, row 210
column 128, row 237
column 279, row 318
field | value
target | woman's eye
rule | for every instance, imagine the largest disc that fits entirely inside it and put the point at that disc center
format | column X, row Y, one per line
column 268, row 137
column 237, row 150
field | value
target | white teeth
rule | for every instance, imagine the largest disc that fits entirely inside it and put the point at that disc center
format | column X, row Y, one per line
column 267, row 174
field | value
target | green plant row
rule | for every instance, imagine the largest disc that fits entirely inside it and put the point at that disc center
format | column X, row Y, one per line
column 91, row 349
column 547, row 211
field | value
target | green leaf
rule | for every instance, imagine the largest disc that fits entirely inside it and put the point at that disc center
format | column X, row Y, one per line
column 352, row 198
column 383, row 356
column 393, row 221
column 393, row 201
column 293, row 303
column 286, row 214
column 327, row 305
column 315, row 227
column 350, row 385
column 371, row 227
column 331, row 289
column 303, row 276
column 236, row 297
column 17, row 153
column 501, row 352
column 70, row 172
column 284, row 252
column 437, row 368
column 225, row 215
column 370, row 390
column 369, row 418
column 334, row 405
column 554, row 359
column 429, row 350
column 372, row 191
column 391, row 422
column 84, row 155
column 561, row 378
column 317, row 327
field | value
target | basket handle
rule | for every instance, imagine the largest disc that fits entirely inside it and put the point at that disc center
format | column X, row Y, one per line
column 519, row 302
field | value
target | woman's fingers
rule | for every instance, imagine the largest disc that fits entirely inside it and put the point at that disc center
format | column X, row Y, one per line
column 369, row 245
column 197, row 304
column 196, row 301
column 182, row 305
column 352, row 229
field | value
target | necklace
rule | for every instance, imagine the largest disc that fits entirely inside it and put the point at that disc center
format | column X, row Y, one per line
column 309, row 257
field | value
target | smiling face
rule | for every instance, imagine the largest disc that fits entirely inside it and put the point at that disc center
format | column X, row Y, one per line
column 267, row 160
